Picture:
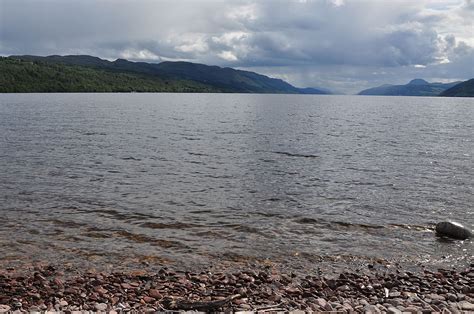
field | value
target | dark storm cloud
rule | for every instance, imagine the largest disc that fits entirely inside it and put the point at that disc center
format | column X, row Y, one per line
column 344, row 44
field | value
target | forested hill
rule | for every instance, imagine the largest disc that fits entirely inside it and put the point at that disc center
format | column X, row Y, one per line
column 166, row 76
column 464, row 89
column 28, row 76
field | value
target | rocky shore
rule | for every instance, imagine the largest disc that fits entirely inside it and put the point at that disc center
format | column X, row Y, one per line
column 262, row 288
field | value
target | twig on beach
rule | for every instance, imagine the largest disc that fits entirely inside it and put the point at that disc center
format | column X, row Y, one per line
column 269, row 308
column 200, row 305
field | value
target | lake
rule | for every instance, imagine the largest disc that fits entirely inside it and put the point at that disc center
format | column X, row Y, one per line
column 118, row 180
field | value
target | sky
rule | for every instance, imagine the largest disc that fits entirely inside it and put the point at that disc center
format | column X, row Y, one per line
column 342, row 45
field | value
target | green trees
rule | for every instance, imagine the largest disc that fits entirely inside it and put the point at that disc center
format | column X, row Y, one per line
column 35, row 76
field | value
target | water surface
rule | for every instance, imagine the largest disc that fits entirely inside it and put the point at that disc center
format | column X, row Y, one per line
column 98, row 179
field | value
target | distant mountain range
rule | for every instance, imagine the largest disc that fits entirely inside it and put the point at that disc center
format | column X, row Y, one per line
column 82, row 73
column 416, row 87
column 464, row 89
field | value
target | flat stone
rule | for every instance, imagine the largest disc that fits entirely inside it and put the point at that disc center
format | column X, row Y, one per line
column 321, row 303
column 382, row 308
column 100, row 306
column 412, row 309
column 393, row 310
column 395, row 302
column 394, row 294
column 466, row 306
column 451, row 297
column 344, row 288
column 371, row 309
column 245, row 307
column 454, row 310
column 4, row 308
column 347, row 307
column 437, row 297
column 148, row 299
column 155, row 294
column 408, row 294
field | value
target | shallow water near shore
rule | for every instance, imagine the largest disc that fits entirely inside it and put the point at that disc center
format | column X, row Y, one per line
column 188, row 179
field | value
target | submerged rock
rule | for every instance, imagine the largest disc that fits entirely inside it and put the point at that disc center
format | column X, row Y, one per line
column 453, row 230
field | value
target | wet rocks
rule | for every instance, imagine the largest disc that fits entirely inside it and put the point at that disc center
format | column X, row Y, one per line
column 453, row 230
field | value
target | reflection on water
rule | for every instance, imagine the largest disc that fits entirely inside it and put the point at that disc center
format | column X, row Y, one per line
column 110, row 178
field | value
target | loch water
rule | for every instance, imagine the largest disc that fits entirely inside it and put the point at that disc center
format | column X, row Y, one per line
column 190, row 179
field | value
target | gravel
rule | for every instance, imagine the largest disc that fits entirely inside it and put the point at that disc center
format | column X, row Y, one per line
column 264, row 288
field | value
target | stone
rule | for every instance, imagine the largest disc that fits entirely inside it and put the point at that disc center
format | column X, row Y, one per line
column 466, row 306
column 126, row 286
column 453, row 230
column 155, row 294
column 321, row 303
column 4, row 308
column 434, row 296
column 148, row 299
column 451, row 297
column 100, row 306
column 369, row 309
column 381, row 308
column 395, row 302
column 245, row 306
column 412, row 309
column 346, row 307
column 394, row 294
column 344, row 288
column 63, row 303
column 393, row 310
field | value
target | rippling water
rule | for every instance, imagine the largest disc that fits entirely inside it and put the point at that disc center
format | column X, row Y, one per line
column 190, row 178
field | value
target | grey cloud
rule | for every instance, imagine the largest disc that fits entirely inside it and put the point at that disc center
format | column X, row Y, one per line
column 313, row 42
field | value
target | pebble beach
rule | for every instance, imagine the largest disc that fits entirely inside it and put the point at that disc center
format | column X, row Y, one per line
column 255, row 288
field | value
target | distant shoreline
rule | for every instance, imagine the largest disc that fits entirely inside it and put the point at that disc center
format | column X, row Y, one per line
column 83, row 73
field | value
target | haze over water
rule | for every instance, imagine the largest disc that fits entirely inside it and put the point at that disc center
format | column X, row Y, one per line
column 190, row 178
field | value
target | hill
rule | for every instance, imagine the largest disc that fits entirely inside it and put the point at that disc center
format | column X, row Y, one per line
column 464, row 89
column 219, row 79
column 416, row 87
column 27, row 76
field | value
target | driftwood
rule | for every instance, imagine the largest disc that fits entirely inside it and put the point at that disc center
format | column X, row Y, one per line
column 201, row 305
column 269, row 308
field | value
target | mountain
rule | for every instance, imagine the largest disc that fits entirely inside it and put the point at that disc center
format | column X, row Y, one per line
column 419, row 82
column 27, row 76
column 314, row 90
column 464, row 89
column 416, row 87
column 219, row 79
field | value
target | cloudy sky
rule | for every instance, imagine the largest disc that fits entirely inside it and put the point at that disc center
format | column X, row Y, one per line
column 344, row 45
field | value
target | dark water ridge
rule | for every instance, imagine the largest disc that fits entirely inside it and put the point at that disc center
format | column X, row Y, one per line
column 118, row 179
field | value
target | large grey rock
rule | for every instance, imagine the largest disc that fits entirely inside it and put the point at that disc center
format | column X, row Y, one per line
column 453, row 230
